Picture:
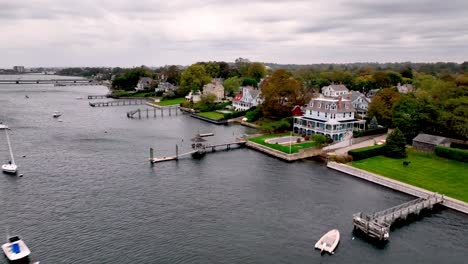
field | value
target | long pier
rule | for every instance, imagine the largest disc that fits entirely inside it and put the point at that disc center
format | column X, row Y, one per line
column 100, row 96
column 58, row 82
column 200, row 151
column 378, row 225
column 138, row 112
column 118, row 103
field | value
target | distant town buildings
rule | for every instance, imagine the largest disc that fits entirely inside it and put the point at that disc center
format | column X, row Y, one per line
column 18, row 69
column 405, row 88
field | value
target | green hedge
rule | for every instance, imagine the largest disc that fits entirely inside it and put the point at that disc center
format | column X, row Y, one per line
column 452, row 153
column 367, row 152
column 458, row 145
column 370, row 132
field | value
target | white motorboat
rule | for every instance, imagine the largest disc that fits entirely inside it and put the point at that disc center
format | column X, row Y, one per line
column 11, row 166
column 329, row 241
column 2, row 126
column 15, row 249
column 57, row 114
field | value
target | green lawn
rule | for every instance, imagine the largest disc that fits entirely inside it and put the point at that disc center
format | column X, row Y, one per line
column 283, row 148
column 426, row 170
column 212, row 115
column 174, row 101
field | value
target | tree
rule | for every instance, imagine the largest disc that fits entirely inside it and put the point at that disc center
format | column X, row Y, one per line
column 373, row 124
column 231, row 85
column 224, row 70
column 407, row 72
column 193, row 78
column 207, row 103
column 281, row 93
column 249, row 82
column 394, row 77
column 381, row 79
column 242, row 66
column 256, row 71
column 382, row 104
column 395, row 145
column 172, row 75
column 127, row 81
column 213, row 69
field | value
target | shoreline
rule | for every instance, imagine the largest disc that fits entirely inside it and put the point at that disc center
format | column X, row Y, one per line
column 449, row 202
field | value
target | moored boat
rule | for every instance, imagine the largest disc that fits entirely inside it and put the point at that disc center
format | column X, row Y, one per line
column 57, row 114
column 329, row 241
column 15, row 249
column 11, row 167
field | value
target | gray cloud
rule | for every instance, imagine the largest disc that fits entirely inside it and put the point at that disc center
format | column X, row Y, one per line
column 128, row 33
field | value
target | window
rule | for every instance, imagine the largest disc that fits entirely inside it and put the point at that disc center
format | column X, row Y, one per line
column 347, row 106
column 310, row 112
column 344, row 115
column 318, row 113
column 327, row 106
column 319, row 105
column 326, row 114
column 349, row 114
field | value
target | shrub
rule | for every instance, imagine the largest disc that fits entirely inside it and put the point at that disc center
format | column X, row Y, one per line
column 458, row 145
column 395, row 146
column 298, row 140
column 253, row 114
column 343, row 158
column 370, row 132
column 452, row 153
column 307, row 137
column 320, row 139
column 367, row 152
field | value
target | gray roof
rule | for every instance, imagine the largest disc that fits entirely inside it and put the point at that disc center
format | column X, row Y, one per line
column 430, row 139
column 145, row 79
column 337, row 87
column 341, row 105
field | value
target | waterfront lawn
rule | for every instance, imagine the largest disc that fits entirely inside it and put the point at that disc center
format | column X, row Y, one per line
column 426, row 170
column 174, row 101
column 212, row 115
column 283, row 148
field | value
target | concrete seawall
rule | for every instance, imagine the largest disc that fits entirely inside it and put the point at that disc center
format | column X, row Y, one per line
column 396, row 185
column 302, row 154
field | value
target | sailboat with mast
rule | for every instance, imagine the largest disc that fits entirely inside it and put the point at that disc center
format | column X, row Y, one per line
column 11, row 167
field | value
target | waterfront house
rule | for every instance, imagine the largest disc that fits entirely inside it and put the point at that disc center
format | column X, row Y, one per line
column 360, row 102
column 165, row 87
column 335, row 90
column 193, row 96
column 249, row 98
column 143, row 83
column 405, row 88
column 215, row 88
column 426, row 142
column 372, row 93
column 332, row 117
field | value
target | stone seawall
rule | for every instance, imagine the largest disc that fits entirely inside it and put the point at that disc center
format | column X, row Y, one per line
column 396, row 185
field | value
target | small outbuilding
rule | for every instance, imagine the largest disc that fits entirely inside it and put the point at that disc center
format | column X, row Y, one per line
column 426, row 142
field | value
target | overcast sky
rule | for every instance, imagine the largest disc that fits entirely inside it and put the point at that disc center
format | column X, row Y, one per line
column 153, row 33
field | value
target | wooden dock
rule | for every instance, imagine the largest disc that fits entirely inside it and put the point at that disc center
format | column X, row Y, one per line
column 118, row 103
column 198, row 151
column 103, row 96
column 378, row 225
column 138, row 113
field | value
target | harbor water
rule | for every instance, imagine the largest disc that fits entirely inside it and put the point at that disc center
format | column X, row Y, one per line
column 89, row 195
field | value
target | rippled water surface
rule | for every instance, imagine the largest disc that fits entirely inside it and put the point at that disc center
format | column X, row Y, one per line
column 89, row 195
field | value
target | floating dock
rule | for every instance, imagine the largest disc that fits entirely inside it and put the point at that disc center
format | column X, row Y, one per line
column 378, row 224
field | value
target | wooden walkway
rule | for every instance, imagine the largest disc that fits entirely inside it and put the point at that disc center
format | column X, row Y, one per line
column 201, row 151
column 104, row 96
column 118, row 103
column 378, row 224
column 141, row 112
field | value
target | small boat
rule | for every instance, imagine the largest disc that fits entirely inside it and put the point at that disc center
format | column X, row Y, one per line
column 2, row 126
column 329, row 241
column 15, row 249
column 26, row 96
column 57, row 114
column 79, row 98
column 11, row 167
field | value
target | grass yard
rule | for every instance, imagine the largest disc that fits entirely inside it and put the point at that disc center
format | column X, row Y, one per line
column 426, row 170
column 174, row 101
column 283, row 148
column 212, row 115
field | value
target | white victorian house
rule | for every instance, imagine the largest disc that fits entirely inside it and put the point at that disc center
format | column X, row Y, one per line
column 332, row 117
column 249, row 98
column 360, row 102
column 335, row 90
